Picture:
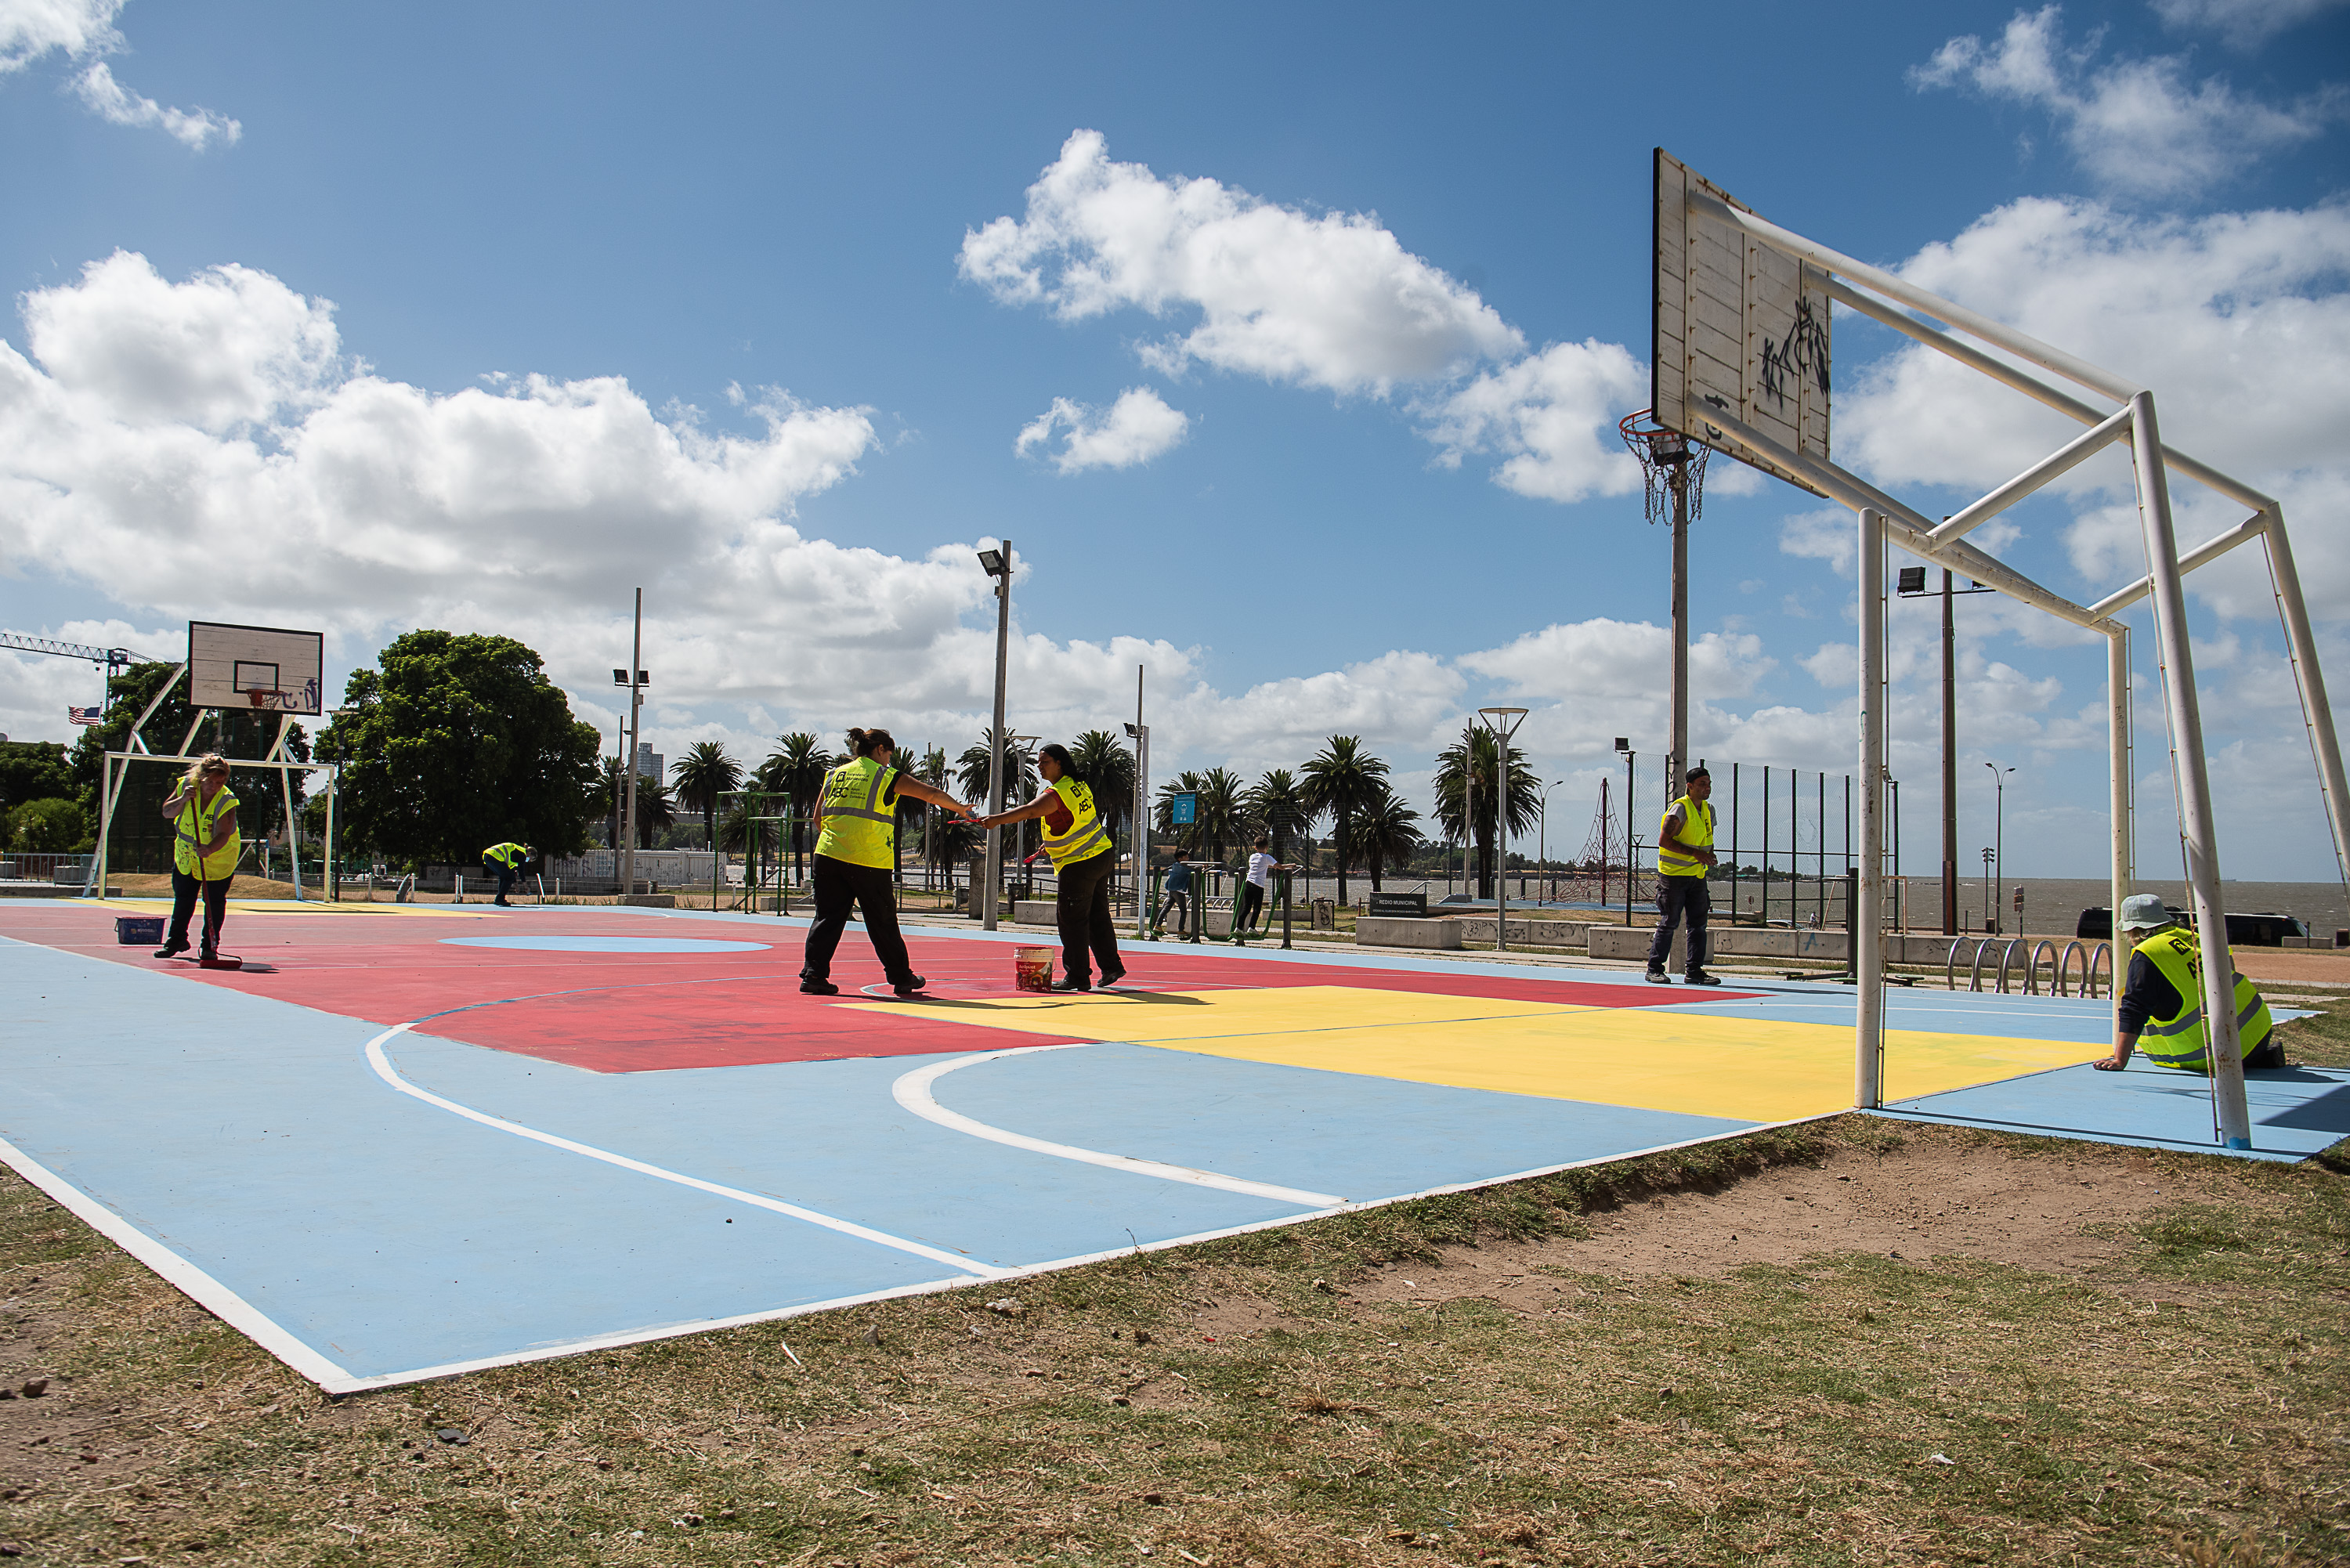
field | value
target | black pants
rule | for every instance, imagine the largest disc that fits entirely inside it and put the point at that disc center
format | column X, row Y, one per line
column 1251, row 902
column 506, row 876
column 840, row 886
column 184, row 888
column 1082, row 910
column 1178, row 913
column 1676, row 896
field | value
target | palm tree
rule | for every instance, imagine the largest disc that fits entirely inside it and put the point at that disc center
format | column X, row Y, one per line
column 1020, row 783
column 795, row 768
column 1224, row 811
column 655, row 810
column 1277, row 803
column 1340, row 780
column 1103, row 762
column 1163, row 812
column 701, row 776
column 1466, row 773
column 1384, row 829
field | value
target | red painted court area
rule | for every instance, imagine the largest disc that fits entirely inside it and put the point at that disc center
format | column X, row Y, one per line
column 647, row 1011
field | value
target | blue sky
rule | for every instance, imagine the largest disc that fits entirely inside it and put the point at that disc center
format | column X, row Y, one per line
column 479, row 319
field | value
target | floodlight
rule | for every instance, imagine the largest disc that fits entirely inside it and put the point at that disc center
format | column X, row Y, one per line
column 1912, row 580
column 1623, row 743
column 644, row 677
column 619, row 678
column 992, row 561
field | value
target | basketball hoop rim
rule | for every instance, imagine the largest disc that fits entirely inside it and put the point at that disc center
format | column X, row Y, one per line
column 1653, row 438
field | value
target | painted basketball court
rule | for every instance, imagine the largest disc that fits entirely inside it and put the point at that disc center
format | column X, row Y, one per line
column 411, row 1140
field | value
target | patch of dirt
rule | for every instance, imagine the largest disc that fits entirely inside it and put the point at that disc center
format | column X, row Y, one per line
column 1928, row 1198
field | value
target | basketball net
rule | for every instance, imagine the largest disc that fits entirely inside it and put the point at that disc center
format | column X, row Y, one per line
column 1665, row 454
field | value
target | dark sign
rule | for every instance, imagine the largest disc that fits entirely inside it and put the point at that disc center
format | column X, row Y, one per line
column 1412, row 904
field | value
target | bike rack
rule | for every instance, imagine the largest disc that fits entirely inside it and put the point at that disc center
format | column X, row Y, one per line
column 2090, row 986
column 2032, row 968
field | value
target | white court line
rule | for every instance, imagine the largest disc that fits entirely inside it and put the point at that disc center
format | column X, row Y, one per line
column 913, row 1092
column 972, row 1270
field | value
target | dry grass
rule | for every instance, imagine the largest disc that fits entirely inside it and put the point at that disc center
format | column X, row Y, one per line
column 1244, row 1401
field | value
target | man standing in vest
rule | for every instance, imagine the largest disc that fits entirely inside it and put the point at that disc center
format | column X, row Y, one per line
column 2161, row 1010
column 1079, row 841
column 505, row 862
column 856, row 852
column 1684, row 853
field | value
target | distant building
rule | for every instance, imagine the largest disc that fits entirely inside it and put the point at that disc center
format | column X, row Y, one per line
column 650, row 764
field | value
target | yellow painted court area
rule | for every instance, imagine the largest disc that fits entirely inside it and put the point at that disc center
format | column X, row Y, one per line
column 1747, row 1069
column 281, row 907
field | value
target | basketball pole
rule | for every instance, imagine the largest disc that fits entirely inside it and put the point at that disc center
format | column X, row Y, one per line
column 2220, row 1046
column 636, row 702
column 1868, row 935
column 996, row 741
column 2123, row 823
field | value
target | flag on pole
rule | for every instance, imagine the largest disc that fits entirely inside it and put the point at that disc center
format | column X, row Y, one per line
column 86, row 715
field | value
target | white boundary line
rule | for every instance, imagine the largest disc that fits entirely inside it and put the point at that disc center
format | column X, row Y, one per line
column 181, row 1275
column 913, row 1092
column 972, row 1270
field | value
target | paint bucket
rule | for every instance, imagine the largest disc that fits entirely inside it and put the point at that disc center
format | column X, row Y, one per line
column 1032, row 969
column 137, row 931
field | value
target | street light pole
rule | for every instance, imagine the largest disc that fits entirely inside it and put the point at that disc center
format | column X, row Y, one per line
column 636, row 706
column 998, row 566
column 1999, row 846
column 1949, row 763
column 1495, row 719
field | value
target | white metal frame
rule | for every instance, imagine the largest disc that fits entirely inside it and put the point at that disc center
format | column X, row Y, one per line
column 1884, row 520
column 117, row 771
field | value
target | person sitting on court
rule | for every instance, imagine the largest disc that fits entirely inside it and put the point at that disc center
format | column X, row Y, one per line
column 2161, row 1010
column 1079, row 842
column 1261, row 867
column 1684, row 851
column 1178, row 896
column 856, row 851
column 505, row 862
column 204, row 850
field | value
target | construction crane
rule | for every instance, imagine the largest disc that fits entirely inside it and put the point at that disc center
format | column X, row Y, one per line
column 112, row 659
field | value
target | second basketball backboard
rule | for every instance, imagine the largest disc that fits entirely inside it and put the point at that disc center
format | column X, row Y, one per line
column 1739, row 327
column 255, row 667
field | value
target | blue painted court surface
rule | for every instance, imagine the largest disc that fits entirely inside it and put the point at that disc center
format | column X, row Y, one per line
column 404, row 1143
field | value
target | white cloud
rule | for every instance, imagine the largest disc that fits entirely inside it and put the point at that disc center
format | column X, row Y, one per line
column 1554, row 414
column 83, row 30
column 2244, row 24
column 116, row 105
column 2138, row 126
column 32, row 28
column 2240, row 322
column 1331, row 301
column 1139, row 427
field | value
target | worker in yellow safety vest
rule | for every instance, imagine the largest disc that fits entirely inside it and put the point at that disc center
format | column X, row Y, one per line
column 505, row 862
column 1079, row 843
column 2161, row 1010
column 856, row 852
column 204, row 849
column 1684, row 854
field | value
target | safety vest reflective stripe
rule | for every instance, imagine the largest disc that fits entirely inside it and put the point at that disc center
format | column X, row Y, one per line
column 196, row 825
column 855, row 827
column 1697, row 832
column 2178, row 959
column 505, row 854
column 1087, row 834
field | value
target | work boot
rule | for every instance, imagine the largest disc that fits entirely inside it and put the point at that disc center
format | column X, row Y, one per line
column 817, row 987
column 1073, row 983
column 1111, row 977
column 910, row 986
column 171, row 950
column 1699, row 977
column 1659, row 977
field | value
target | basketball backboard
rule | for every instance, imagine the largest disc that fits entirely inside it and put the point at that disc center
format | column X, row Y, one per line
column 1739, row 326
column 255, row 667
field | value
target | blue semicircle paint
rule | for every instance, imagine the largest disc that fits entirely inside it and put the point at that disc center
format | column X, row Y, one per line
column 606, row 944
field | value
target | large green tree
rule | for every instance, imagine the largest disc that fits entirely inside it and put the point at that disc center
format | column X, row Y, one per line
column 1277, row 804
column 1385, row 829
column 32, row 769
column 453, row 743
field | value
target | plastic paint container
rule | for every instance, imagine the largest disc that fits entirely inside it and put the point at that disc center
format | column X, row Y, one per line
column 1032, row 969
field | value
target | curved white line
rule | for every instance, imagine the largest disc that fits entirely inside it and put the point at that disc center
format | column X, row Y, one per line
column 972, row 1268
column 913, row 1092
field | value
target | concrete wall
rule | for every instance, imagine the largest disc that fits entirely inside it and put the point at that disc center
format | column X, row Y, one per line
column 1406, row 932
column 1526, row 933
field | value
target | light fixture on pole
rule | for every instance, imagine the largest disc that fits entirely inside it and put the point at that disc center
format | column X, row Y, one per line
column 1504, row 722
column 636, row 704
column 997, row 563
column 1999, row 845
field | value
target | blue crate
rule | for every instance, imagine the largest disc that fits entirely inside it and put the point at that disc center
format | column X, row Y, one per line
column 137, row 931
